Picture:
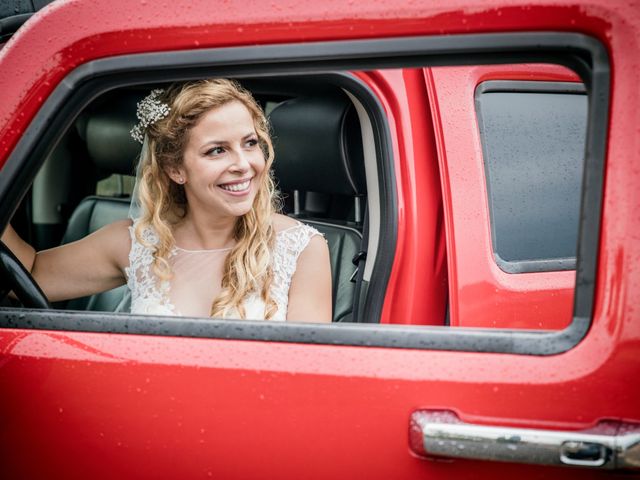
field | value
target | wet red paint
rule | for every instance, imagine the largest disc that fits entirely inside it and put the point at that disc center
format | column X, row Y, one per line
column 80, row 405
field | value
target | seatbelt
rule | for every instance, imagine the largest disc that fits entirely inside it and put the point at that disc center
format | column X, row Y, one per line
column 359, row 261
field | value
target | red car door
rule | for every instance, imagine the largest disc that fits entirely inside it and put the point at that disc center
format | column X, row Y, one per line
column 105, row 395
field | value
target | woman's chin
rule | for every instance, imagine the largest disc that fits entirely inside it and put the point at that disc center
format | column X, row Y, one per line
column 239, row 209
column 221, row 204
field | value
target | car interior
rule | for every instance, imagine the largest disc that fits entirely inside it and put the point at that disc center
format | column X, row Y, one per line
column 86, row 181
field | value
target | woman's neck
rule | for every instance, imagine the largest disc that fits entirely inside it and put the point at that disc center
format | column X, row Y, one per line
column 201, row 232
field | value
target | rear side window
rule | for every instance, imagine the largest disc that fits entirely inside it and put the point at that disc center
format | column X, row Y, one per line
column 533, row 139
column 116, row 185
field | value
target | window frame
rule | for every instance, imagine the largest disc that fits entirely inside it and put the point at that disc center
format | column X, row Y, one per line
column 584, row 54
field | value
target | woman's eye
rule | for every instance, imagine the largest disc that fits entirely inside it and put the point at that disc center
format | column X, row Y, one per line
column 252, row 142
column 215, row 151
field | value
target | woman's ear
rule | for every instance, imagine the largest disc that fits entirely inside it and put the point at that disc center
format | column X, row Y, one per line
column 177, row 175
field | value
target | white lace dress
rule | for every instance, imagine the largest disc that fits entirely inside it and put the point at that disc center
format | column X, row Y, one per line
column 197, row 276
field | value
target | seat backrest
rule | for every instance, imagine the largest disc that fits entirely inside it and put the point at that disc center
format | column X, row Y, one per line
column 105, row 129
column 92, row 214
column 318, row 145
column 318, row 148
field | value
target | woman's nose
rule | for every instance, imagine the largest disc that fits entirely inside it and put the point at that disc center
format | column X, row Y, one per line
column 241, row 161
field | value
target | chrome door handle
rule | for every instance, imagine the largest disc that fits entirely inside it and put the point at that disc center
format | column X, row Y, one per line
column 584, row 453
column 611, row 445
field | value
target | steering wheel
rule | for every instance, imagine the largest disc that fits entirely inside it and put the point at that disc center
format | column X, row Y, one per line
column 13, row 276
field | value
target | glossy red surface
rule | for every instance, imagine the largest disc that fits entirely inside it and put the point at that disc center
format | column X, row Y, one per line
column 423, row 279
column 78, row 405
column 480, row 293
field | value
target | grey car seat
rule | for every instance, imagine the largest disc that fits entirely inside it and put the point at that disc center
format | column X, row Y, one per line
column 105, row 130
column 318, row 146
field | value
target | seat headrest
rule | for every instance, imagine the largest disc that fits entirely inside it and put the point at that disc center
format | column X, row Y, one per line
column 318, row 145
column 105, row 129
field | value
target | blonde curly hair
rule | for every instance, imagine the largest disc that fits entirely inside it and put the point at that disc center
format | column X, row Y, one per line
column 247, row 268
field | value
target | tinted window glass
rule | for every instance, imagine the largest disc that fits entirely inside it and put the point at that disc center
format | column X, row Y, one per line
column 533, row 136
column 116, row 185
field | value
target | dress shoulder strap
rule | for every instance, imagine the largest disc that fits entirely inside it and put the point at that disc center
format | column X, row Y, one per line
column 148, row 294
column 289, row 245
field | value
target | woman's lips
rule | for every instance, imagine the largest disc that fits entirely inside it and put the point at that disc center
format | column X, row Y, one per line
column 240, row 187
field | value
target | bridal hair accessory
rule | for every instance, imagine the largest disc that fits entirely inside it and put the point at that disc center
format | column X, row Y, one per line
column 150, row 110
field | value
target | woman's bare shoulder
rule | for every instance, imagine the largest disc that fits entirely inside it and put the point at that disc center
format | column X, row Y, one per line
column 282, row 222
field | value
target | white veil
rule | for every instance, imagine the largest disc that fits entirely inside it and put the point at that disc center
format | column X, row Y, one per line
column 149, row 110
column 136, row 208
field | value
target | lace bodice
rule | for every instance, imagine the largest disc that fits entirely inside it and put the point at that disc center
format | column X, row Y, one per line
column 197, row 276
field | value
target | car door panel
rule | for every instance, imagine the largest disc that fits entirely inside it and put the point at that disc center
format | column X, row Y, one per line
column 149, row 402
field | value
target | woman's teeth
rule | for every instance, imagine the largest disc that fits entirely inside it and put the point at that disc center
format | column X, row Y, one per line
column 236, row 187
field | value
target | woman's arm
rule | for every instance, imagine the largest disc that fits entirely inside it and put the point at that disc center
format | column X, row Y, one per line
column 310, row 290
column 92, row 264
column 21, row 249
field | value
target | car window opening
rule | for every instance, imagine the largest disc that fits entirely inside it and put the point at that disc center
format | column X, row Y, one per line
column 332, row 191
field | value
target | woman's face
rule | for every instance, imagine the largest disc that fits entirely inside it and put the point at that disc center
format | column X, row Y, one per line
column 223, row 163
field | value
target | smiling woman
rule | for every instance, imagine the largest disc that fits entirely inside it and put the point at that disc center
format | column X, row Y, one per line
column 205, row 239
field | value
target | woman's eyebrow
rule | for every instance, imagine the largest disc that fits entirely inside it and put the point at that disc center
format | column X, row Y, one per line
column 224, row 142
column 214, row 142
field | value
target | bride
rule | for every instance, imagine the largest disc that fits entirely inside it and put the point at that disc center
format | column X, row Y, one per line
column 204, row 238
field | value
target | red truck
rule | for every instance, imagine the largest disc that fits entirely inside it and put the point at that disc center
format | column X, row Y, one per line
column 473, row 168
